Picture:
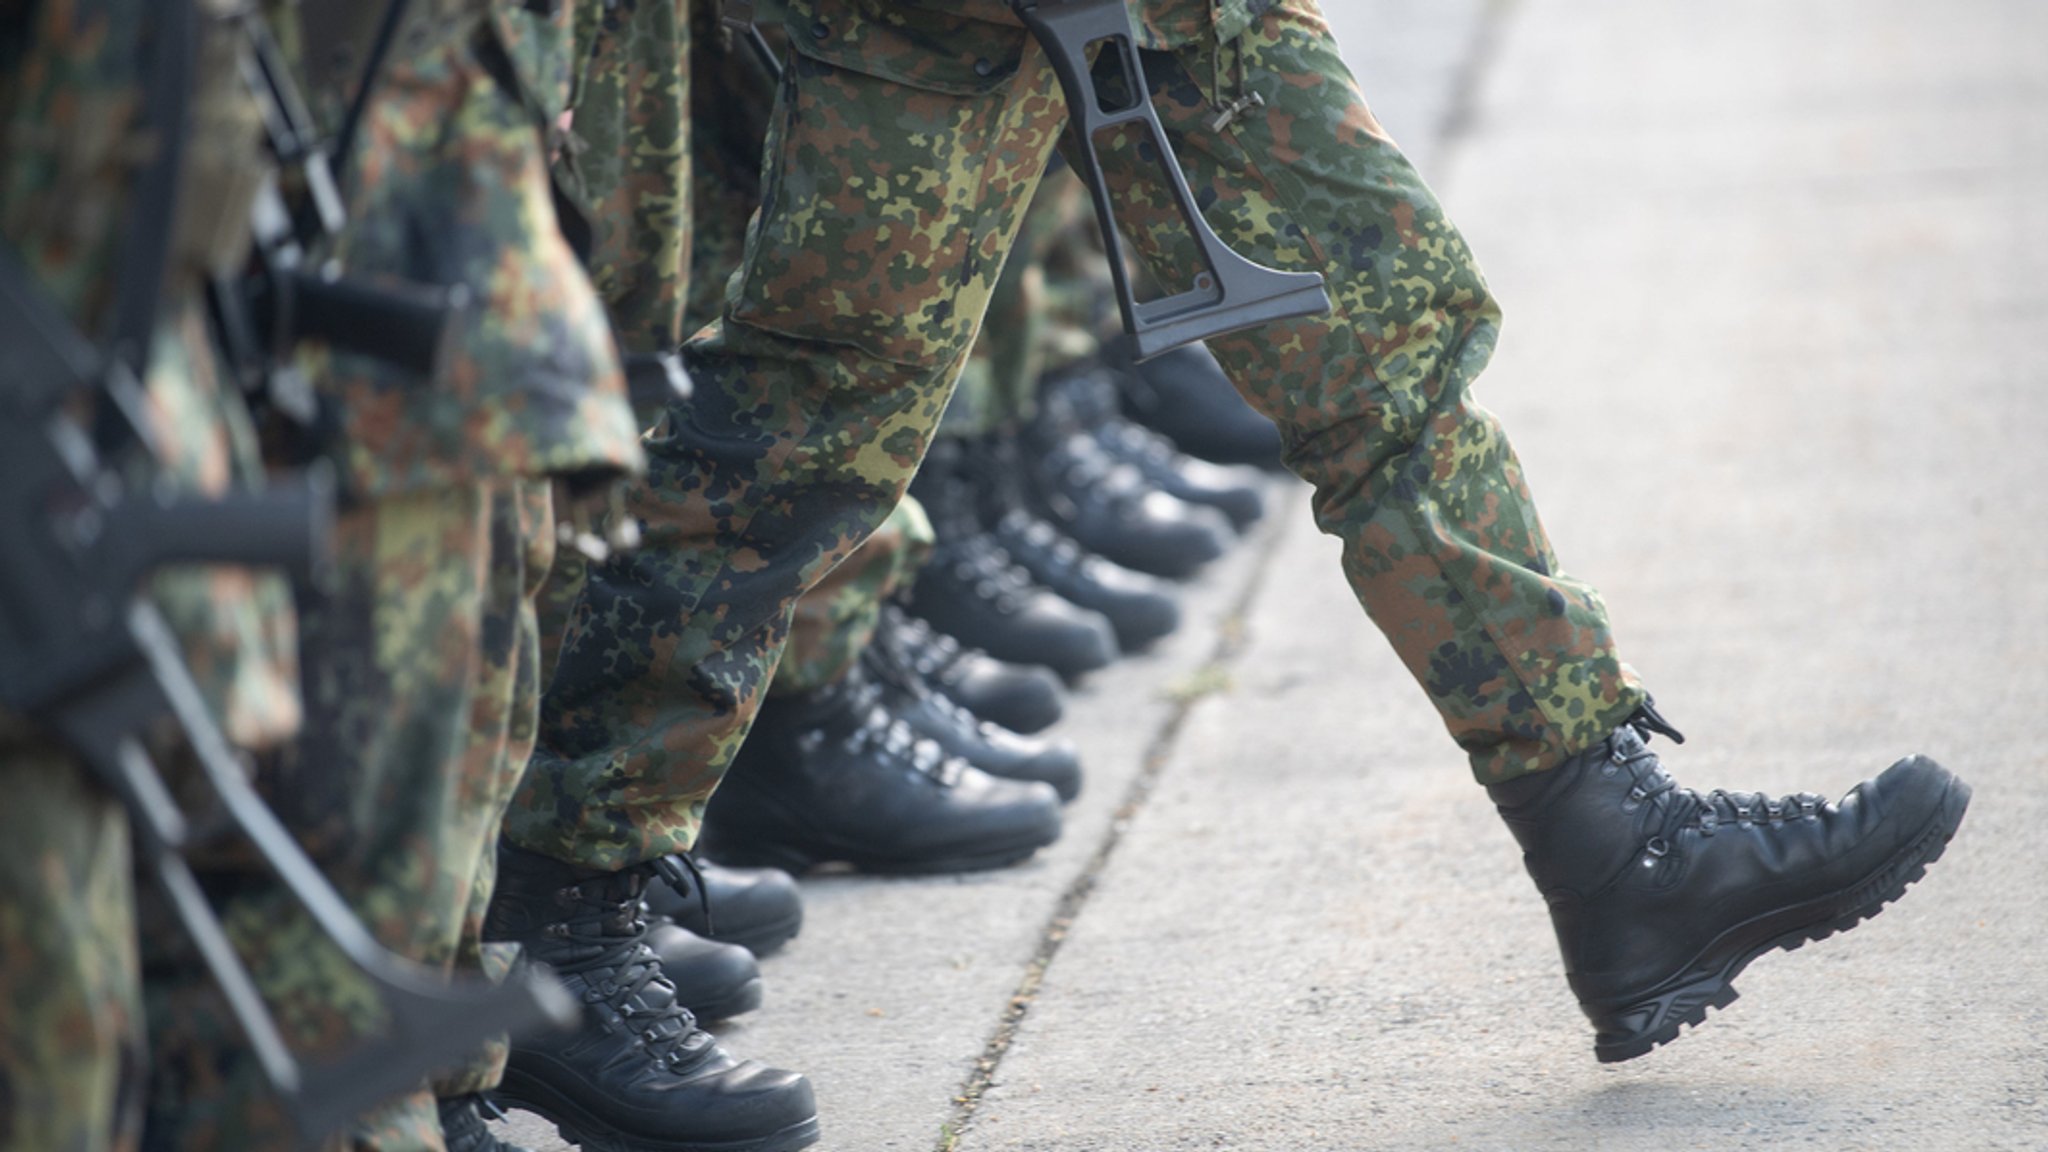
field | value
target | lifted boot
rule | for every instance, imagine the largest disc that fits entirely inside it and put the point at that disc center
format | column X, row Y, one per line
column 1661, row 895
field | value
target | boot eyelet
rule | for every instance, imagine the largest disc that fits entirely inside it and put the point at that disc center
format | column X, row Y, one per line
column 556, row 931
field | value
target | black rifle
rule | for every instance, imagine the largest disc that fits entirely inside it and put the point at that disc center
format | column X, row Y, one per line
column 93, row 662
column 288, row 293
column 1229, row 292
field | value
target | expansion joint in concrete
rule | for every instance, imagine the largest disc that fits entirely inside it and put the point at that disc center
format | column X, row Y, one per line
column 1231, row 637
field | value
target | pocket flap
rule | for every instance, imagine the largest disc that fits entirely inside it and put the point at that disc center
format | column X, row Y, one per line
column 937, row 50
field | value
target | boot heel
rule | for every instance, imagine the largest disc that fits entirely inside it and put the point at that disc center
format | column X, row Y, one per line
column 1635, row 1030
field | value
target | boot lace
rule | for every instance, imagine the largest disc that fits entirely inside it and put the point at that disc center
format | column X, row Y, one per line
column 603, row 941
column 682, row 873
column 912, row 643
column 1686, row 808
column 982, row 564
column 894, row 739
column 1062, row 555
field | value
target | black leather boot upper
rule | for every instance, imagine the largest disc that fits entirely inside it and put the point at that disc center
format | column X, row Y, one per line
column 833, row 775
column 714, row 980
column 1185, row 395
column 1192, row 480
column 1092, row 400
column 1140, row 607
column 972, row 589
column 989, row 747
column 759, row 909
column 1661, row 894
column 638, row 1071
column 1021, row 697
column 1108, row 507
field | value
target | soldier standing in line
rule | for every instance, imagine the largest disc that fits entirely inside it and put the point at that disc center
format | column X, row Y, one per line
column 76, row 140
column 421, row 663
column 907, row 140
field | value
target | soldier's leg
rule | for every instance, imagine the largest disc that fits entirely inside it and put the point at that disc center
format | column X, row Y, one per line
column 388, row 793
column 817, row 394
column 1442, row 543
column 503, row 718
column 836, row 620
column 71, row 1050
column 1660, row 895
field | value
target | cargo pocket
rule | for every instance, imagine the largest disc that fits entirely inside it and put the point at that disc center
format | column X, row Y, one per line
column 893, row 174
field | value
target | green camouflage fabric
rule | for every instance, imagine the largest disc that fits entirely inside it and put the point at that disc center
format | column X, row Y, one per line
column 72, row 1035
column 1158, row 23
column 421, row 685
column 71, row 1038
column 71, row 1020
column 627, row 162
column 504, row 723
column 1441, row 539
column 1078, row 300
column 452, row 187
column 728, row 125
column 423, row 664
column 904, row 148
column 1031, row 326
column 809, row 418
column 835, row 621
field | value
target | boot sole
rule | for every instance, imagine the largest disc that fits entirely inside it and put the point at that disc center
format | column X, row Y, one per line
column 1655, row 1020
column 592, row 1134
column 797, row 861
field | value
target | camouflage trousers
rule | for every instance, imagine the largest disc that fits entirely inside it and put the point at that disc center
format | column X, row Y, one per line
column 834, row 622
column 898, row 167
column 1024, row 331
column 421, row 682
column 71, row 1037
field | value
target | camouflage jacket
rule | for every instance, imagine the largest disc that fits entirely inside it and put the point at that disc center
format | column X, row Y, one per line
column 70, row 152
column 451, row 187
column 1159, row 24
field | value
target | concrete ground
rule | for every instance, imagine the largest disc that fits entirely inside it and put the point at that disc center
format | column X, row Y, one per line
column 1774, row 271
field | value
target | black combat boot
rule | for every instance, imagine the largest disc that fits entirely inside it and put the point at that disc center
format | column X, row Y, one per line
column 972, row 589
column 1107, row 506
column 833, row 776
column 993, row 749
column 1192, row 480
column 1661, row 895
column 463, row 1128
column 714, row 980
column 1184, row 395
column 1092, row 398
column 638, row 1075
column 1022, row 698
column 1139, row 607
column 759, row 909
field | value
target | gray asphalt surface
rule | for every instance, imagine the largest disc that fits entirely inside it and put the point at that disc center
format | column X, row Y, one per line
column 1774, row 276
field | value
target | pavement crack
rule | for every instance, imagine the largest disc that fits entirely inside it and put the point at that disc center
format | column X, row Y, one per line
column 1213, row 674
